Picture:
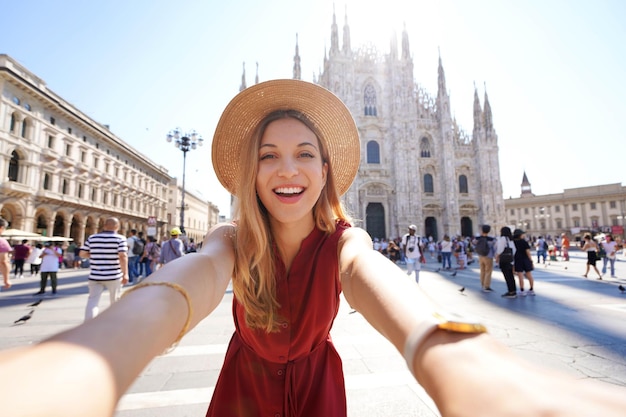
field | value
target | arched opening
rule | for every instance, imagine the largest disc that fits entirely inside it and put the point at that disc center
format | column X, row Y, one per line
column 430, row 228
column 375, row 220
column 463, row 184
column 466, row 227
column 14, row 166
column 42, row 225
column 373, row 152
column 59, row 226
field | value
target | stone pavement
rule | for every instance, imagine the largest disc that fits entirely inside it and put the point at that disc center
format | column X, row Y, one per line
column 574, row 325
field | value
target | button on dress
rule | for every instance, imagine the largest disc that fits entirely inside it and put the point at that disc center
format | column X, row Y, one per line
column 295, row 372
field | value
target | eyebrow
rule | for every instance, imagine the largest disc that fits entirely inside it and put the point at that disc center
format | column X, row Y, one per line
column 271, row 145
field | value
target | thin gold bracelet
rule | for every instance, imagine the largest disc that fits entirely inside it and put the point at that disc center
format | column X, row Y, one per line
column 183, row 292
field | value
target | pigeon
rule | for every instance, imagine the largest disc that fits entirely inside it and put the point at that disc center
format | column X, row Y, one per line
column 438, row 269
column 36, row 303
column 461, row 289
column 622, row 289
column 454, row 274
column 25, row 318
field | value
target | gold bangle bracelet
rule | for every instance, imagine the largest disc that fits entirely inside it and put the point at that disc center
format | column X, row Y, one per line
column 184, row 293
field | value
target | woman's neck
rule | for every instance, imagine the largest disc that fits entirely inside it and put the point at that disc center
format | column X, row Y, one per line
column 289, row 237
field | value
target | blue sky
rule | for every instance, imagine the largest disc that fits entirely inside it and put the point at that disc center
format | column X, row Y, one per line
column 553, row 70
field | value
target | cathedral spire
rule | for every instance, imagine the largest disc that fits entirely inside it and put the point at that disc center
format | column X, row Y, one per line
column 393, row 49
column 406, row 54
column 334, row 35
column 256, row 77
column 297, row 71
column 243, row 78
column 441, row 80
column 478, row 112
column 526, row 191
column 347, row 49
column 487, row 112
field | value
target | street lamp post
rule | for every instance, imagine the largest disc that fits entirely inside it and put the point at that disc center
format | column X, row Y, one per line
column 184, row 142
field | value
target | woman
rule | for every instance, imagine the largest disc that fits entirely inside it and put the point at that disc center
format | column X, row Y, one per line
column 592, row 256
column 34, row 259
column 49, row 267
column 505, row 255
column 523, row 263
column 151, row 255
column 610, row 248
column 290, row 253
column 446, row 252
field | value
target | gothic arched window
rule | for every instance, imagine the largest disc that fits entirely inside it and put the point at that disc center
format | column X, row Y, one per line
column 428, row 184
column 369, row 99
column 373, row 152
column 14, row 166
column 425, row 148
column 463, row 184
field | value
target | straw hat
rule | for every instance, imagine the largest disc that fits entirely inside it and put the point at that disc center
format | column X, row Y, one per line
column 325, row 110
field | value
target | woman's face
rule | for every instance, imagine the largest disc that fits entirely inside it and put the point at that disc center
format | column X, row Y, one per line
column 291, row 173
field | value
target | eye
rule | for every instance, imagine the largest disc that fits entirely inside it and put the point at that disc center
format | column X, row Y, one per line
column 267, row 156
column 306, row 154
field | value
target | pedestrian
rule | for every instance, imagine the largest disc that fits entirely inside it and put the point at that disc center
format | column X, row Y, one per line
column 564, row 247
column 49, row 268
column 108, row 261
column 541, row 246
column 485, row 248
column 290, row 253
column 523, row 262
column 20, row 254
column 412, row 248
column 173, row 248
column 5, row 260
column 591, row 248
column 446, row 252
column 134, row 254
column 505, row 256
column 34, row 259
column 70, row 255
column 77, row 259
column 151, row 255
column 610, row 249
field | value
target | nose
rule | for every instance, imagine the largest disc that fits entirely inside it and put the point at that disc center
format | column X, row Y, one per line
column 288, row 168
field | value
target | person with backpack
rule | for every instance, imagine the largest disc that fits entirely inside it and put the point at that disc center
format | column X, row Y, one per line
column 152, row 252
column 135, row 250
column 505, row 254
column 411, row 246
column 484, row 247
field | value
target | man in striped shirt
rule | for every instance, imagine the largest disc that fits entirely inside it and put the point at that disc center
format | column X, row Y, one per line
column 108, row 259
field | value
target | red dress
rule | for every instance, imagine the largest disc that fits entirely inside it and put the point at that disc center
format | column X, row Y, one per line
column 295, row 372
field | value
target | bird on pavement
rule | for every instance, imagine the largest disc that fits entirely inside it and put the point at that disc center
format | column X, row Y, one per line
column 454, row 274
column 622, row 289
column 25, row 318
column 438, row 269
column 36, row 303
column 461, row 289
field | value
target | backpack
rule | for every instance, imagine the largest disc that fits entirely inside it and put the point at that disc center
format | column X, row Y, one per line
column 482, row 246
column 155, row 250
column 545, row 245
column 138, row 247
column 507, row 254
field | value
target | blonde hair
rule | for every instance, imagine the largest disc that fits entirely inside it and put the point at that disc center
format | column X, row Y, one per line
column 254, row 281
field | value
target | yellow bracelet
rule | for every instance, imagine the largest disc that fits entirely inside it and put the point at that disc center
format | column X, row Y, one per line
column 184, row 293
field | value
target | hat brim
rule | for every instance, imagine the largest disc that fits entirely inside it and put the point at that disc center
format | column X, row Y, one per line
column 248, row 109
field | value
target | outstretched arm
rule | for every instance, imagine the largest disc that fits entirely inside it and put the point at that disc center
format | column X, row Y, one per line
column 466, row 375
column 85, row 370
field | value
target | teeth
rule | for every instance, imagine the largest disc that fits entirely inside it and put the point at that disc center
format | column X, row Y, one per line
column 289, row 190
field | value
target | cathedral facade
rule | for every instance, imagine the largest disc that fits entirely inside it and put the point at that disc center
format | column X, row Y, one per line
column 417, row 165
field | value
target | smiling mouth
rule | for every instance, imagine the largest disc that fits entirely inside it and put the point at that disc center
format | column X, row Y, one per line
column 289, row 191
